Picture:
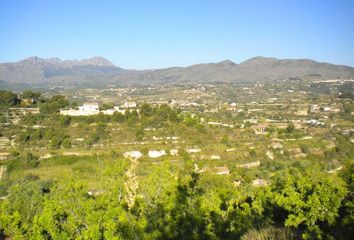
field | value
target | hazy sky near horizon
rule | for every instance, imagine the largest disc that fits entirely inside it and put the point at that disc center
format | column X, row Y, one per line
column 156, row 34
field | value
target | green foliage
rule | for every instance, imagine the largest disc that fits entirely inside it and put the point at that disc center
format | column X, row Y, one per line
column 8, row 99
column 17, row 213
column 54, row 104
column 139, row 134
column 118, row 117
column 146, row 110
column 190, row 121
column 131, row 117
column 106, row 106
column 290, row 128
column 304, row 148
column 99, row 133
column 348, row 108
column 64, row 120
column 253, row 153
column 311, row 200
column 346, row 226
column 66, row 143
column 31, row 159
column 172, row 200
column 192, row 206
column 58, row 139
column 30, row 95
column 347, row 95
column 225, row 140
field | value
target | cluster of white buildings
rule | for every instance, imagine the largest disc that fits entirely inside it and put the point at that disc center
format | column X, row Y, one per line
column 88, row 109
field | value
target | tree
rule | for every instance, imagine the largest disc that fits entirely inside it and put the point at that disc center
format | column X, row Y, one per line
column 8, row 99
column 225, row 140
column 345, row 227
column 54, row 104
column 290, row 128
column 311, row 199
column 348, row 108
column 118, row 117
column 66, row 143
column 17, row 212
column 131, row 117
column 64, row 120
column 30, row 95
column 146, row 110
column 106, row 106
column 140, row 134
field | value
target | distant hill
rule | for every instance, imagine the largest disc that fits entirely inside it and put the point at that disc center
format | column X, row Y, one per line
column 54, row 71
column 99, row 72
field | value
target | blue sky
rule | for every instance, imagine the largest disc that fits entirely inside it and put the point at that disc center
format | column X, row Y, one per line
column 155, row 34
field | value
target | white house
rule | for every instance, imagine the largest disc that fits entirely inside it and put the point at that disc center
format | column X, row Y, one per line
column 89, row 107
column 133, row 154
column 129, row 105
column 260, row 183
column 156, row 154
column 221, row 170
column 249, row 165
column 85, row 110
column 193, row 150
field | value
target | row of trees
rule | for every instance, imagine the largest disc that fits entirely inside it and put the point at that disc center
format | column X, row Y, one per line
column 148, row 115
column 11, row 99
column 55, row 138
column 8, row 99
column 309, row 205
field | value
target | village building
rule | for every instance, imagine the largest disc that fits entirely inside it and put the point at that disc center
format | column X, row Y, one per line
column 221, row 170
column 156, row 153
column 250, row 165
column 193, row 150
column 133, row 154
column 89, row 107
column 216, row 170
column 314, row 122
column 260, row 183
column 130, row 105
column 230, row 149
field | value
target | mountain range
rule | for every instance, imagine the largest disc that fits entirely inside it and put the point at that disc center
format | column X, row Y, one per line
column 100, row 72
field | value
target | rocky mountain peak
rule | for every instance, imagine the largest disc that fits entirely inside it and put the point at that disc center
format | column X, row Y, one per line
column 34, row 60
column 96, row 61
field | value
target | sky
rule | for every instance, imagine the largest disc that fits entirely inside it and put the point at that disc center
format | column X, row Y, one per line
column 157, row 34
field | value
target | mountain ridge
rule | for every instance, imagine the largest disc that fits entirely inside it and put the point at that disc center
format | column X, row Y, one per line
column 100, row 72
column 35, row 60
